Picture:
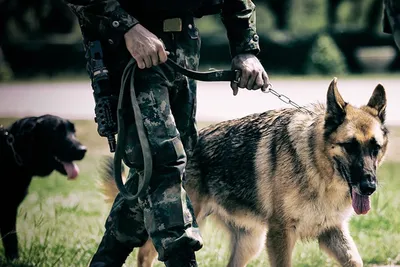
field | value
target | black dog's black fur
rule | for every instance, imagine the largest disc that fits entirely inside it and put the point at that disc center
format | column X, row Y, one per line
column 40, row 144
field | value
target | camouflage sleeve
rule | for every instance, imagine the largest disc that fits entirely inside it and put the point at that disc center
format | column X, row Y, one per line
column 104, row 20
column 386, row 24
column 391, row 16
column 391, row 19
column 239, row 18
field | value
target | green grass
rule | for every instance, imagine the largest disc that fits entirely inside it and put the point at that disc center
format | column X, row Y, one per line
column 60, row 223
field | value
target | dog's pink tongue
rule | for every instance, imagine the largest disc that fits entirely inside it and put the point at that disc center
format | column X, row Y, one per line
column 72, row 169
column 361, row 204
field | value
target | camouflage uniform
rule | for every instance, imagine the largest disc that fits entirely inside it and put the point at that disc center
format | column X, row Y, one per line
column 168, row 104
column 391, row 19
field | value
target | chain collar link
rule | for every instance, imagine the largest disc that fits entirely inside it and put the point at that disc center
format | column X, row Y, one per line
column 10, row 142
column 285, row 99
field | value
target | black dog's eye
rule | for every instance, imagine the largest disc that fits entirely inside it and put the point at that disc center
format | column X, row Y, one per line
column 60, row 128
column 71, row 127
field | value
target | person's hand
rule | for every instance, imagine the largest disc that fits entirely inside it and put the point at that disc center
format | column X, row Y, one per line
column 145, row 47
column 252, row 73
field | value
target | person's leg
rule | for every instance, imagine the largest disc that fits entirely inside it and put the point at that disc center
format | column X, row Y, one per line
column 183, row 107
column 124, row 230
column 168, row 216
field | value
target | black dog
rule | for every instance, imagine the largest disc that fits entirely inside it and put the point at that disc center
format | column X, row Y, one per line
column 32, row 146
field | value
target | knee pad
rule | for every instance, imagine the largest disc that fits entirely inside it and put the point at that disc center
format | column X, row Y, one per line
column 133, row 156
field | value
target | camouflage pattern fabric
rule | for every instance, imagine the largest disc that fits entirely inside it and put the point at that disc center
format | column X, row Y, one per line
column 168, row 104
column 391, row 16
column 107, row 21
column 239, row 18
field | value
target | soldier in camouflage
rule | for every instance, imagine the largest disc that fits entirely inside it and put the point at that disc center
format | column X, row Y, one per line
column 391, row 19
column 149, row 31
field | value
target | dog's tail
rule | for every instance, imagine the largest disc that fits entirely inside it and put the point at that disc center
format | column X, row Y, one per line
column 107, row 182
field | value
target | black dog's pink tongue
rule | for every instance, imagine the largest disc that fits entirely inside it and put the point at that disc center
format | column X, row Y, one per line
column 72, row 169
column 361, row 204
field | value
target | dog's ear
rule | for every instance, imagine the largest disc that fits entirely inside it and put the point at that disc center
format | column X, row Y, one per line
column 335, row 103
column 378, row 102
column 335, row 100
column 335, row 108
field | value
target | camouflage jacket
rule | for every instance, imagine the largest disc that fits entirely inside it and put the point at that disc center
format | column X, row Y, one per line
column 391, row 16
column 107, row 21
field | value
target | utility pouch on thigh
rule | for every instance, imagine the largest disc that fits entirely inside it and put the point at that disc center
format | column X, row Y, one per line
column 169, row 151
column 133, row 155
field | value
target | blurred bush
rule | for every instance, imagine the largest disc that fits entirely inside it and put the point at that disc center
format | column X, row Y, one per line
column 6, row 73
column 325, row 57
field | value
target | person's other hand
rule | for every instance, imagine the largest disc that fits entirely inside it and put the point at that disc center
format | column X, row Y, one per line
column 252, row 73
column 145, row 47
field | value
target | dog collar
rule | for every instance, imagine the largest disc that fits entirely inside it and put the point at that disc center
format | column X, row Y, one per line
column 10, row 142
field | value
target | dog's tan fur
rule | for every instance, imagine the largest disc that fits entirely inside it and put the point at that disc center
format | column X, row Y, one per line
column 285, row 171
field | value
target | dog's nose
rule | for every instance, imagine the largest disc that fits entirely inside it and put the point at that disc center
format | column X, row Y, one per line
column 81, row 151
column 368, row 185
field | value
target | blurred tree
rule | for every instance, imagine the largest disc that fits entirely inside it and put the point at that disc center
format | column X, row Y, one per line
column 31, row 20
column 325, row 57
column 34, row 19
column 314, row 15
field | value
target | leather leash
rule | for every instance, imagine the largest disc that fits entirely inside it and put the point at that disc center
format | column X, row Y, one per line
column 207, row 76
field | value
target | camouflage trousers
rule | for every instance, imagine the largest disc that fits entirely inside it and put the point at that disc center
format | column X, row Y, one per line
column 168, row 104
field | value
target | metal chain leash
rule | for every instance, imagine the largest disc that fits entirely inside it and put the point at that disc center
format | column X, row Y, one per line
column 285, row 99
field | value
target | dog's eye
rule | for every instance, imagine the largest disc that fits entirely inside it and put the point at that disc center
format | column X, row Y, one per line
column 71, row 127
column 375, row 150
column 350, row 146
column 374, row 147
column 60, row 128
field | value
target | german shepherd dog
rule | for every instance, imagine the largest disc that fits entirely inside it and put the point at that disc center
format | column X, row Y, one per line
column 285, row 175
column 32, row 146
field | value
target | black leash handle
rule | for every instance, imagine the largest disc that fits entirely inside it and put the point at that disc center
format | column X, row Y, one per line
column 207, row 76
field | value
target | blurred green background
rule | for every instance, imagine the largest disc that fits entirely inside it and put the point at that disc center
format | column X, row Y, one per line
column 296, row 36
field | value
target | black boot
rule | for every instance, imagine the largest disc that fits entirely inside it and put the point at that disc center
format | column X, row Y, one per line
column 110, row 253
column 183, row 258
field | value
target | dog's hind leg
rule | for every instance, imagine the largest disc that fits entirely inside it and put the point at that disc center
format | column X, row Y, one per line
column 146, row 255
column 339, row 244
column 246, row 244
column 9, row 232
